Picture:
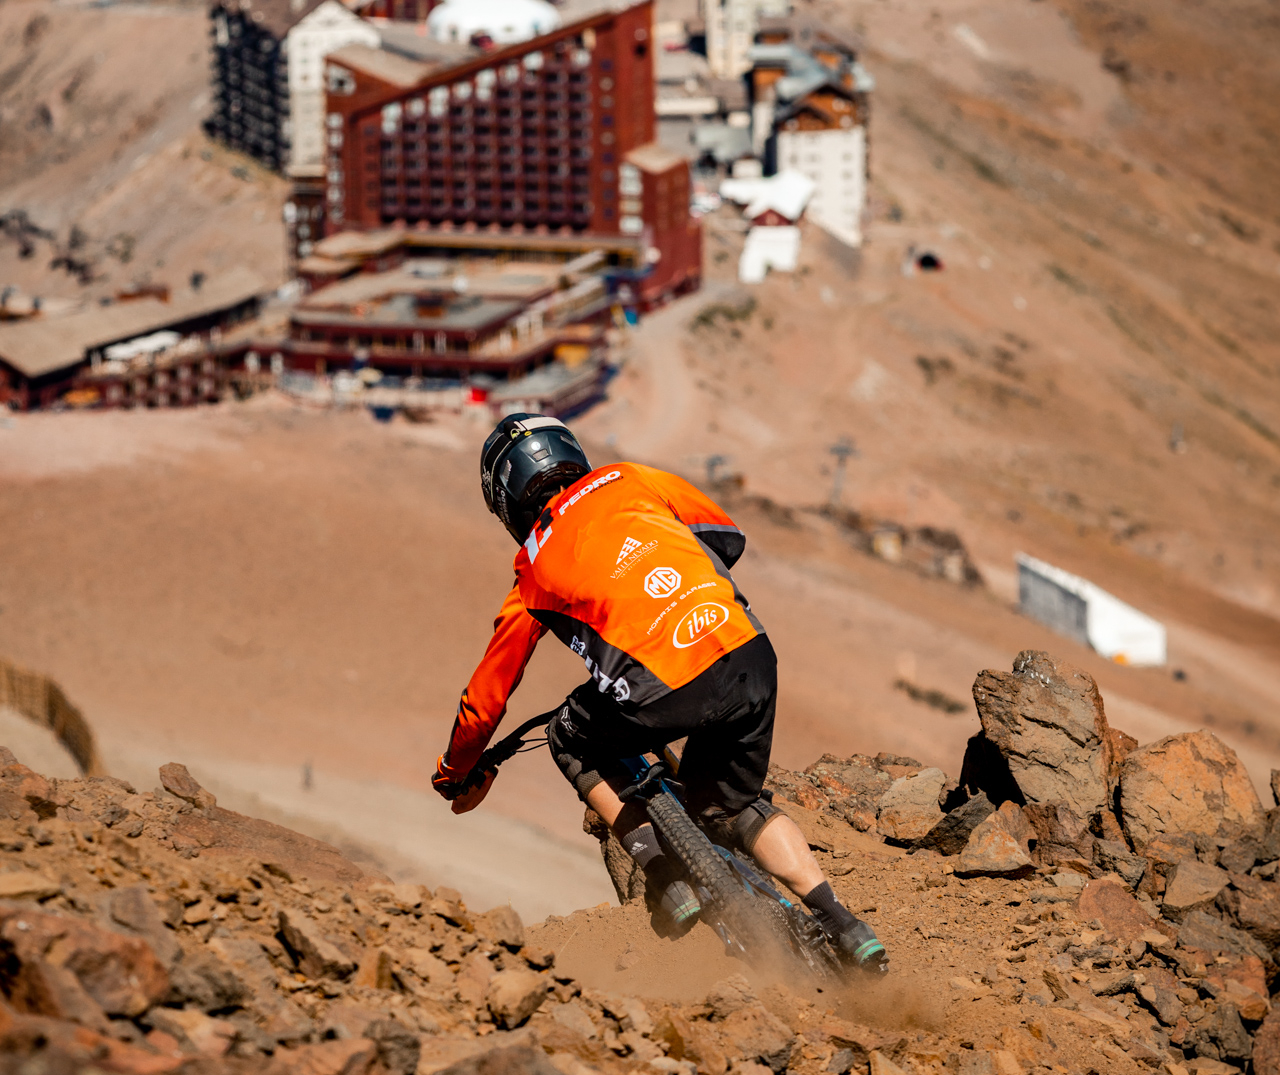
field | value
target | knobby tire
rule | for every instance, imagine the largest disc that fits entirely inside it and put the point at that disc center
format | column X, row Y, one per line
column 760, row 933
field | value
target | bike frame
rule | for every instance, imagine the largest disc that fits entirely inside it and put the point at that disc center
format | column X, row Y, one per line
column 652, row 778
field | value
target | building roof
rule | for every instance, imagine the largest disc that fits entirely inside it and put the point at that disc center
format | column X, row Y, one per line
column 576, row 16
column 43, row 345
column 805, row 72
column 808, row 32
column 384, row 65
column 462, row 313
column 806, row 101
column 277, row 16
column 732, row 93
column 516, row 281
column 786, row 193
column 352, row 247
column 723, row 142
column 413, row 41
column 317, row 265
column 359, row 244
column 507, row 22
column 654, row 158
column 679, row 65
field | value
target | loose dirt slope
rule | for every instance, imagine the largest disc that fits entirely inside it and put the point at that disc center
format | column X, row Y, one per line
column 157, row 931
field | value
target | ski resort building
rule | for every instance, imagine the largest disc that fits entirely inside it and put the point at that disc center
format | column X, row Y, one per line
column 551, row 137
column 429, row 318
column 1078, row 609
column 731, row 27
column 268, row 76
column 810, row 105
column 153, row 350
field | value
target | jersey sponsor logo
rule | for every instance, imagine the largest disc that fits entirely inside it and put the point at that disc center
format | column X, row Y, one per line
column 632, row 557
column 619, row 688
column 628, row 547
column 662, row 581
column 604, row 479
column 663, row 614
column 699, row 622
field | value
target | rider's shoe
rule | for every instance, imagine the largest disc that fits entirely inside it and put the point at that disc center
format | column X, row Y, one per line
column 675, row 904
column 859, row 949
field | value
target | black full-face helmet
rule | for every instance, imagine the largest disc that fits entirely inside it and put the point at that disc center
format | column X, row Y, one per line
column 525, row 460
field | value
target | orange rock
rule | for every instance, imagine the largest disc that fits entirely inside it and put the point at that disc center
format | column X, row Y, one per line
column 1188, row 783
column 1047, row 721
column 43, row 988
column 514, row 995
column 755, row 1033
column 1120, row 914
column 194, row 1031
column 1266, row 1046
column 354, row 1056
column 177, row 781
column 120, row 973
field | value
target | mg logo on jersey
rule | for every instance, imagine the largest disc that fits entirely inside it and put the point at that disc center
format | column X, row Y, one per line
column 628, row 546
column 662, row 581
column 705, row 619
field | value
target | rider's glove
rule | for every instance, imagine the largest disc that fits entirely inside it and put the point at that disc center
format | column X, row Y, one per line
column 456, row 788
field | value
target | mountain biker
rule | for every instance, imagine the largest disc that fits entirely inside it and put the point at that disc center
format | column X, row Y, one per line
column 629, row 567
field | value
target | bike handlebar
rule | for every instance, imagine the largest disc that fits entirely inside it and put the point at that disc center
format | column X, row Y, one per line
column 503, row 750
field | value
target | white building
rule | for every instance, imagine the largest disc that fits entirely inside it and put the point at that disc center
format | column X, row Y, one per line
column 507, row 22
column 810, row 103
column 731, row 27
column 774, row 247
column 1077, row 608
column 324, row 30
column 835, row 159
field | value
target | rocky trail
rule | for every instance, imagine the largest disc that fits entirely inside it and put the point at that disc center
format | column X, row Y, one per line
column 1072, row 902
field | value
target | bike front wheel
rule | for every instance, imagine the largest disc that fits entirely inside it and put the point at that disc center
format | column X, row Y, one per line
column 758, row 934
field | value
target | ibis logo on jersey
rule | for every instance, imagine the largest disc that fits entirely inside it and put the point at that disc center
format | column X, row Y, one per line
column 628, row 546
column 698, row 622
column 662, row 581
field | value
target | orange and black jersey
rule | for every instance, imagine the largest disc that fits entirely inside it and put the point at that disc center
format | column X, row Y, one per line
column 629, row 568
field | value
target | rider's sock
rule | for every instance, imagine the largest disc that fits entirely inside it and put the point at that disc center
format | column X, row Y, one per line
column 642, row 845
column 831, row 913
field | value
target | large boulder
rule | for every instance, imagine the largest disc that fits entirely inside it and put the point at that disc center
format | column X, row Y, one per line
column 514, row 995
column 753, row 1033
column 910, row 807
column 1193, row 886
column 950, row 835
column 853, row 786
column 1188, row 783
column 998, row 847
column 1061, row 835
column 1047, row 722
column 1120, row 914
column 1254, row 906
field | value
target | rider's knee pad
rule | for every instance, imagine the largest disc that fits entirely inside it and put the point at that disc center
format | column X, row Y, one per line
column 739, row 830
column 567, row 749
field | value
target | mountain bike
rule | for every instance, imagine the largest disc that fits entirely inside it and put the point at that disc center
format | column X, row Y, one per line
column 739, row 901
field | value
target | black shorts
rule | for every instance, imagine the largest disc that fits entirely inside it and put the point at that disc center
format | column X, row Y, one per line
column 727, row 714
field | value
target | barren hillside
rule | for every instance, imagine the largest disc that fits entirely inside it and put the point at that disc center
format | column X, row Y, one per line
column 103, row 166
column 270, row 591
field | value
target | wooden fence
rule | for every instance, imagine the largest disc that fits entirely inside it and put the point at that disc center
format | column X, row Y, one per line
column 40, row 699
